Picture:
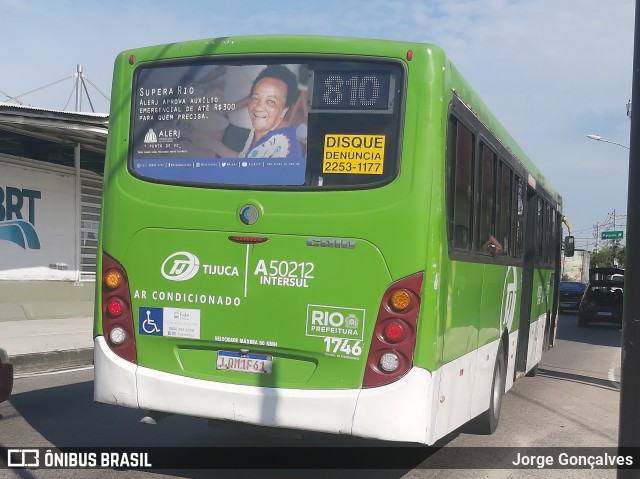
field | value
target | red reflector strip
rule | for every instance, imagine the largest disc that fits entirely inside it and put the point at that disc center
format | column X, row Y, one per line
column 247, row 239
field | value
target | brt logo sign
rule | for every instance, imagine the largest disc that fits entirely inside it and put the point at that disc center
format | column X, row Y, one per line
column 335, row 322
column 180, row 266
column 18, row 216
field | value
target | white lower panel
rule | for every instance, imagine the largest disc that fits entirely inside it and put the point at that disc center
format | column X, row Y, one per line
column 536, row 342
column 483, row 379
column 511, row 360
column 465, row 388
column 407, row 410
column 325, row 411
column 465, row 385
column 114, row 378
column 398, row 411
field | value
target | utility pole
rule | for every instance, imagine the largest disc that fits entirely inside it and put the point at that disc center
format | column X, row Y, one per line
column 79, row 84
column 629, row 424
column 77, row 154
column 614, row 243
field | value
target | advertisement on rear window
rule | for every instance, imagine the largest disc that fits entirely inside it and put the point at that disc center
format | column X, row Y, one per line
column 221, row 124
column 286, row 124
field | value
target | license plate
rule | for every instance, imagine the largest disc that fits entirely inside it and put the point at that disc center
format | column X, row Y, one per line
column 604, row 313
column 246, row 363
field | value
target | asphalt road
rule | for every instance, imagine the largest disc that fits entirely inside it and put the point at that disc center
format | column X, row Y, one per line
column 573, row 402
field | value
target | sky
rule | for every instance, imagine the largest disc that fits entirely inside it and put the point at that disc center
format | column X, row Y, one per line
column 552, row 71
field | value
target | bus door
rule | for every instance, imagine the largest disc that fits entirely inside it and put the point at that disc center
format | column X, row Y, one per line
column 557, row 266
column 527, row 283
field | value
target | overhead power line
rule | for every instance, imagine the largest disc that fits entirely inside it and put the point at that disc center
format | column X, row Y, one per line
column 40, row 88
column 79, row 88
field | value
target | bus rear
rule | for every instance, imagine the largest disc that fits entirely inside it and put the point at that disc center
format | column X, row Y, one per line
column 261, row 255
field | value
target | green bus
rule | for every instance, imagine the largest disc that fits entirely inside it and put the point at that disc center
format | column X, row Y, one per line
column 322, row 234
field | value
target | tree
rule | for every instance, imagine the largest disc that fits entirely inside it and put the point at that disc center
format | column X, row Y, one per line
column 604, row 257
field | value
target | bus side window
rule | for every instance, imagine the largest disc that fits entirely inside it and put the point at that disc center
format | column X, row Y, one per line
column 539, row 231
column 520, row 200
column 487, row 213
column 460, row 236
column 460, row 154
column 504, row 209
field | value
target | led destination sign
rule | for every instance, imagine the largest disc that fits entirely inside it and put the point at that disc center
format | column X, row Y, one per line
column 360, row 90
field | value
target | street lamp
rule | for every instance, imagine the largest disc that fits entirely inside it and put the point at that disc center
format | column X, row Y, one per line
column 599, row 138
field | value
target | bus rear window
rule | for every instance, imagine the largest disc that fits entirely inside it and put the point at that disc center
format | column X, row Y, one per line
column 267, row 124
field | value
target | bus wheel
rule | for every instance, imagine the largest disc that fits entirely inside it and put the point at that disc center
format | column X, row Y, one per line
column 487, row 422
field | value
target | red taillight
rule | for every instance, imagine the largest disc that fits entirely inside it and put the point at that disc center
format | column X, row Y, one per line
column 117, row 315
column 115, row 307
column 393, row 331
column 394, row 335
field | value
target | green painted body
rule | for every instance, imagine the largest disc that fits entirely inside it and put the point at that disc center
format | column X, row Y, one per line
column 399, row 229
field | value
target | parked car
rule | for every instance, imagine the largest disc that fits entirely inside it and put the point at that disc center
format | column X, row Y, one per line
column 571, row 293
column 6, row 376
column 602, row 301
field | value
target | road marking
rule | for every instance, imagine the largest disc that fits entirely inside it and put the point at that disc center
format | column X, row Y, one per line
column 50, row 373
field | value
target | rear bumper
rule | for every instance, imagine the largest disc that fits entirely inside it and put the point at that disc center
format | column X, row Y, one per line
column 569, row 305
column 595, row 317
column 396, row 412
column 570, row 302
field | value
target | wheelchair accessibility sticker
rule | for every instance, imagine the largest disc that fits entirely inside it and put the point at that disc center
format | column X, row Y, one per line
column 172, row 322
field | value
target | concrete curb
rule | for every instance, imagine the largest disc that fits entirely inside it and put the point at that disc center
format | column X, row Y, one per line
column 51, row 361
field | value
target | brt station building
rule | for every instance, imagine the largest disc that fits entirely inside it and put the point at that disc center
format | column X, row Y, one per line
column 51, row 169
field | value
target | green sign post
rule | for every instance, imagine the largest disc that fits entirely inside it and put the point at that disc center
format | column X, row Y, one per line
column 611, row 235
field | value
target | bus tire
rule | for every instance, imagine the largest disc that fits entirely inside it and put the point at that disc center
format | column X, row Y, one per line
column 487, row 422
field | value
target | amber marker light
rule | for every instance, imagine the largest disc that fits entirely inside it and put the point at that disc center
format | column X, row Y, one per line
column 400, row 300
column 112, row 279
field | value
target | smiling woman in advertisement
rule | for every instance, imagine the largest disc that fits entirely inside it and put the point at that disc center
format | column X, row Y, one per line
column 273, row 92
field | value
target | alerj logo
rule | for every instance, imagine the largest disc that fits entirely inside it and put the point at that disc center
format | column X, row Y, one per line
column 14, row 202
